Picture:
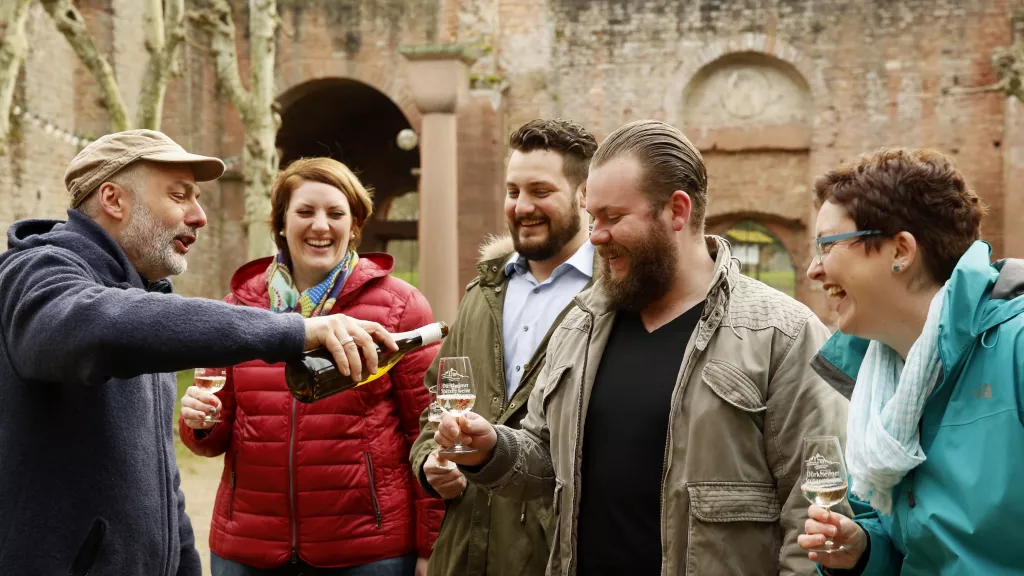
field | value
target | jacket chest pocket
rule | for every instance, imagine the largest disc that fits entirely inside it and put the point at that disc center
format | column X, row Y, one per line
column 736, row 389
column 733, row 529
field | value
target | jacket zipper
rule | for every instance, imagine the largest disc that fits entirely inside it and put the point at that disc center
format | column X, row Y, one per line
column 90, row 548
column 373, row 489
column 577, row 447
column 291, row 482
column 231, row 498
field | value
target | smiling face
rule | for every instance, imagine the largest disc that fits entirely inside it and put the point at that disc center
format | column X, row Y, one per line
column 638, row 259
column 163, row 220
column 318, row 228
column 860, row 283
column 542, row 208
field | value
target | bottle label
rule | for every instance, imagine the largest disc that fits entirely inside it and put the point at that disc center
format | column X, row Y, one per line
column 430, row 333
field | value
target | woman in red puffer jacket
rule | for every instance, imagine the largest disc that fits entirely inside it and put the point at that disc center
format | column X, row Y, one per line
column 328, row 484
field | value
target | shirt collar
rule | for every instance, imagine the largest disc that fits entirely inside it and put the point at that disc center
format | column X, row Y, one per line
column 582, row 260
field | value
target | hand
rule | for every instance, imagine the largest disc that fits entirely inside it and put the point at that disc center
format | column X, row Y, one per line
column 446, row 481
column 421, row 566
column 344, row 337
column 475, row 431
column 196, row 404
column 822, row 524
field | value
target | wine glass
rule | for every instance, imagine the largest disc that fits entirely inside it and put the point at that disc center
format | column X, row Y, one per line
column 455, row 394
column 434, row 414
column 211, row 380
column 823, row 478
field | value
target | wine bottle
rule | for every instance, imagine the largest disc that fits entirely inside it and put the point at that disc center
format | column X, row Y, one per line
column 314, row 375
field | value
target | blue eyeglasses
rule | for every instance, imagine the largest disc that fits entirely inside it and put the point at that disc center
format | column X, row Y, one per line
column 823, row 245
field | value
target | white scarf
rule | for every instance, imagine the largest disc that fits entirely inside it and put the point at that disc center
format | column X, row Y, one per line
column 883, row 439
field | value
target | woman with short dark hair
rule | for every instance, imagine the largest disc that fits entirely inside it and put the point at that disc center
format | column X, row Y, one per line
column 931, row 342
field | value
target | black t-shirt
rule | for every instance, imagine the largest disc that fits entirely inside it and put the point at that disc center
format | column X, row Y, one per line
column 624, row 446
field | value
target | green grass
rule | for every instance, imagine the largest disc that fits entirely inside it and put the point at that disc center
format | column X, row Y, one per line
column 180, row 450
column 782, row 280
column 410, row 276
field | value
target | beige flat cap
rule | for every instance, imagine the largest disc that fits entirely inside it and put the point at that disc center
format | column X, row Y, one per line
column 104, row 157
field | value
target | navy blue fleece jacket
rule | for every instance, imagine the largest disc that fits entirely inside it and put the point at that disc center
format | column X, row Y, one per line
column 88, row 478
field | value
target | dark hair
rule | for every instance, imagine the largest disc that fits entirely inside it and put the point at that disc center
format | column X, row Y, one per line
column 326, row 171
column 669, row 162
column 917, row 191
column 569, row 139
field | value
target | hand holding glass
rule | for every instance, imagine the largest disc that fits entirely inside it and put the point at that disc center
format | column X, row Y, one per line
column 211, row 380
column 455, row 394
column 823, row 478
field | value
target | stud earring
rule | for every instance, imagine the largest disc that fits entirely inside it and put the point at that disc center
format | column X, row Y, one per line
column 896, row 267
column 281, row 232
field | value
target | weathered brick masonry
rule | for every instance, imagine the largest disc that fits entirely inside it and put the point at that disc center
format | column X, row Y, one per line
column 773, row 92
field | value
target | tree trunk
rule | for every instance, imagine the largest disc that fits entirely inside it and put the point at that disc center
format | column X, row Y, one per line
column 164, row 33
column 261, row 124
column 259, row 158
column 70, row 22
column 13, row 46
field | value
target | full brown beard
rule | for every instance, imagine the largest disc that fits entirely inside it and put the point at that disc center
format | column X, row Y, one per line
column 652, row 267
column 560, row 234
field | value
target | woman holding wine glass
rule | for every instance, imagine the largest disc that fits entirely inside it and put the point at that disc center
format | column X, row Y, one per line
column 326, row 484
column 931, row 343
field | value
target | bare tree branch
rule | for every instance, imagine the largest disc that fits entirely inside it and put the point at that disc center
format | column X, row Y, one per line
column 13, row 47
column 216, row 20
column 255, row 106
column 164, row 34
column 197, row 46
column 1008, row 63
column 70, row 22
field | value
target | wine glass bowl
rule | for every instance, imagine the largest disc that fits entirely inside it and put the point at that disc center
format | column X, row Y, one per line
column 456, row 394
column 212, row 380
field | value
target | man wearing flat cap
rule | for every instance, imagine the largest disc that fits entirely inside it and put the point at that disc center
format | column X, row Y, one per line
column 90, row 335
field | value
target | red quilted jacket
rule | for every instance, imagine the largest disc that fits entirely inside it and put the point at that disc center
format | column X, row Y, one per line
column 330, row 481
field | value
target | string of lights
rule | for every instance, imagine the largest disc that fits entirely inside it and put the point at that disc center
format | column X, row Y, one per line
column 48, row 127
column 53, row 129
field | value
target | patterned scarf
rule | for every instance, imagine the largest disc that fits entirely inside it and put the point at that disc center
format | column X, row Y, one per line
column 883, row 440
column 315, row 301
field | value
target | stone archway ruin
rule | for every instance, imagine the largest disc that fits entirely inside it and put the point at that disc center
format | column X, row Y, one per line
column 357, row 124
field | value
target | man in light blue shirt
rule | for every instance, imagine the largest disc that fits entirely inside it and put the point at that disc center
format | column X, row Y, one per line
column 526, row 282
column 531, row 306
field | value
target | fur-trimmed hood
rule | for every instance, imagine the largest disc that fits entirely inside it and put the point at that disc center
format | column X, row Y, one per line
column 496, row 246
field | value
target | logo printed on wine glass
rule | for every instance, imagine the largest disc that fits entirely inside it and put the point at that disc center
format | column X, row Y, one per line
column 452, row 374
column 821, row 469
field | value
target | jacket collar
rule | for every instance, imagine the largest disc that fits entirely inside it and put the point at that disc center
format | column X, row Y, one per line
column 115, row 265
column 498, row 255
column 979, row 297
column 249, row 283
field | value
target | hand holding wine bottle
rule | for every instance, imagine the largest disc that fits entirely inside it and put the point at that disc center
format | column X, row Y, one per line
column 316, row 374
column 344, row 338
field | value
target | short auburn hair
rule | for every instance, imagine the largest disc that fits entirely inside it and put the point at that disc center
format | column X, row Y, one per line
column 918, row 191
column 326, row 171
column 572, row 141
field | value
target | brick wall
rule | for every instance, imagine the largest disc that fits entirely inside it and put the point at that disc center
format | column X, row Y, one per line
column 844, row 78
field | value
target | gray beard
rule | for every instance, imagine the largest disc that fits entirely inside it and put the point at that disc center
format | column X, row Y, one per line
column 149, row 245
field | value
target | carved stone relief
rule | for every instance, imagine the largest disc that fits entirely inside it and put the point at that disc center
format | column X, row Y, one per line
column 744, row 90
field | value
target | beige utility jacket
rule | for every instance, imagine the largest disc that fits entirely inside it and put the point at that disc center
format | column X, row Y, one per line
column 745, row 399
